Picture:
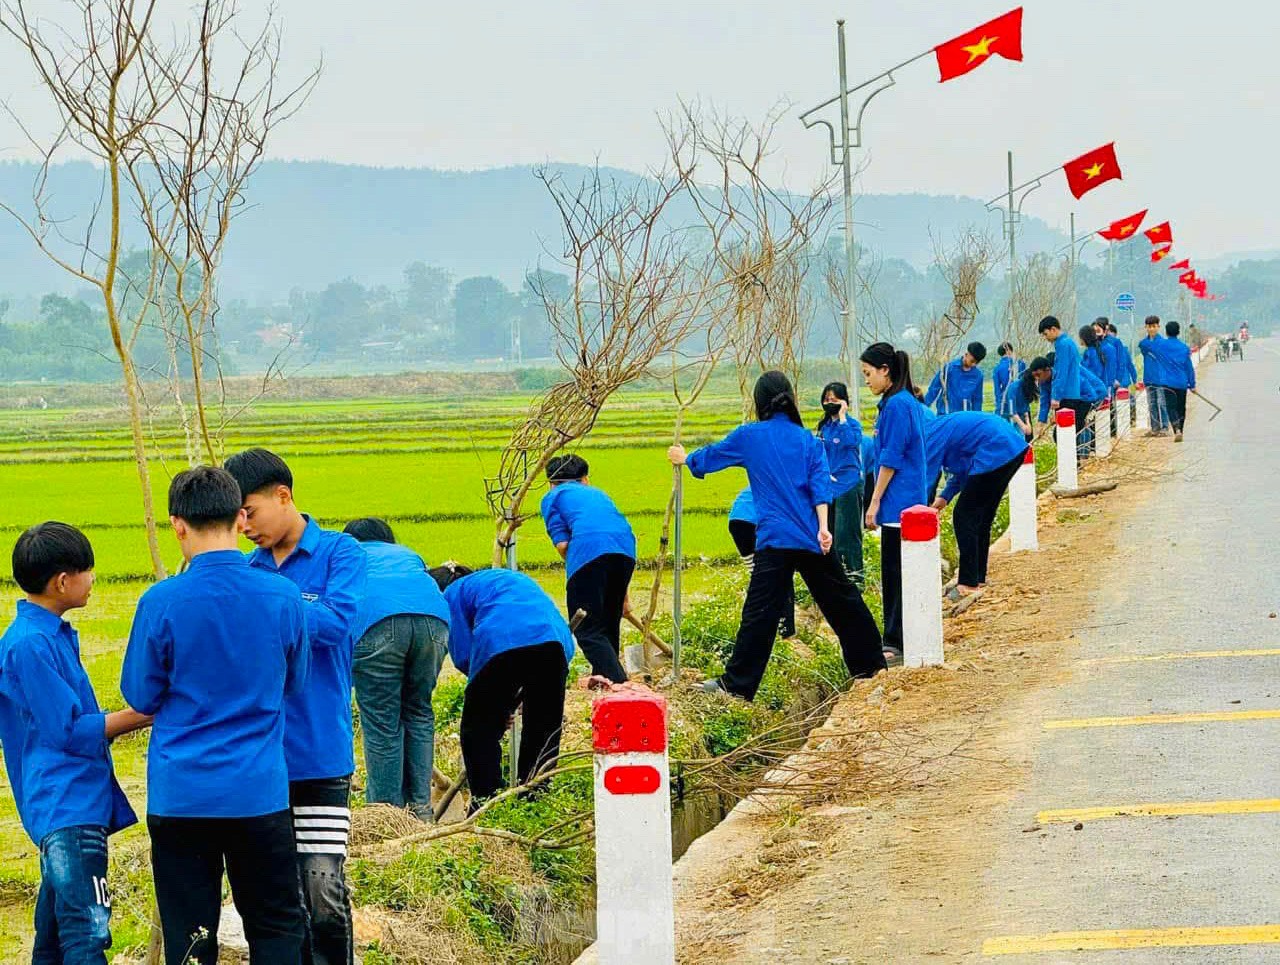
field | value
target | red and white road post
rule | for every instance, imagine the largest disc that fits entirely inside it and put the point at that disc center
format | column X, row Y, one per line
column 1102, row 428
column 635, row 906
column 1022, row 506
column 1143, row 423
column 921, row 588
column 1124, row 413
column 1068, row 467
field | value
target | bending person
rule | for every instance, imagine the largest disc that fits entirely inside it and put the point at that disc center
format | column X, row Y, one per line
column 791, row 487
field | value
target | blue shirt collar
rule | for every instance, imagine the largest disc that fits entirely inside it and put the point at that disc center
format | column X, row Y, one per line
column 42, row 618
column 307, row 544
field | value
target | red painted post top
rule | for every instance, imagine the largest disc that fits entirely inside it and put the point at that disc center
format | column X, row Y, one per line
column 1122, row 395
column 1104, row 404
column 1030, row 458
column 1066, row 418
column 629, row 722
column 919, row 524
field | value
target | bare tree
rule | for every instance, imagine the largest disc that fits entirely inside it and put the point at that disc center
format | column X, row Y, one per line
column 874, row 323
column 963, row 265
column 1041, row 286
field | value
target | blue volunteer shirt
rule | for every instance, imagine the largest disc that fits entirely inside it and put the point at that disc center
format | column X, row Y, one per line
column 1016, row 401
column 1152, row 372
column 1091, row 388
column 213, row 653
column 900, row 441
column 396, row 584
column 1175, row 363
column 1003, row 376
column 1096, row 360
column 53, row 731
column 329, row 568
column 494, row 611
column 1127, row 374
column 964, row 389
column 842, row 445
column 743, row 508
column 968, row 444
column 1066, row 369
column 586, row 518
column 789, row 478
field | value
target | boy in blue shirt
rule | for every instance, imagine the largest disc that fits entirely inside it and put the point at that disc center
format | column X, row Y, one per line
column 510, row 640
column 216, row 679
column 402, row 636
column 1179, row 375
column 329, row 568
column 1153, row 377
column 1003, row 375
column 599, row 550
column 1064, row 390
column 962, row 380
column 57, row 747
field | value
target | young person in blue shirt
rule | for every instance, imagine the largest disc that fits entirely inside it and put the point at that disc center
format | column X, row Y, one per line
column 509, row 639
column 742, row 530
column 1128, row 374
column 599, row 552
column 981, row 453
column 57, row 743
column 841, row 435
column 902, row 479
column 1064, row 389
column 1153, row 377
column 958, row 385
column 212, row 654
column 1031, row 387
column 1179, row 375
column 329, row 568
column 402, row 636
column 791, row 487
column 1003, row 375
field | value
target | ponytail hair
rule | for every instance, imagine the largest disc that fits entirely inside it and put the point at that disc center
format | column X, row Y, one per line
column 773, row 395
column 1028, row 386
column 882, row 355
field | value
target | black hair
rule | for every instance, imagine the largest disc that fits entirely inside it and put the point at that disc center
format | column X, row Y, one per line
column 977, row 350
column 258, row 469
column 567, row 468
column 448, row 573
column 47, row 549
column 840, row 391
column 1006, row 348
column 370, row 529
column 773, row 395
column 1102, row 320
column 1088, row 336
column 1152, row 320
column 1041, row 362
column 1047, row 323
column 204, row 497
column 882, row 355
column 1111, row 327
column 1172, row 329
column 1028, row 385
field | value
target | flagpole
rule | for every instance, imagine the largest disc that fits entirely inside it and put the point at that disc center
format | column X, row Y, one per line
column 1075, row 287
column 1013, row 261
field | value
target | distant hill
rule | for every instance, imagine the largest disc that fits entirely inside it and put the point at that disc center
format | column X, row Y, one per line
column 312, row 223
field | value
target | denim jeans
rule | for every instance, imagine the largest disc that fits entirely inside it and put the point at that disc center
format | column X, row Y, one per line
column 396, row 665
column 73, row 909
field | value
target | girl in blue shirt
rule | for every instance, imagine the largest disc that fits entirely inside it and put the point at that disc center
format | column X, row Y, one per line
column 902, row 481
column 841, row 435
column 791, row 488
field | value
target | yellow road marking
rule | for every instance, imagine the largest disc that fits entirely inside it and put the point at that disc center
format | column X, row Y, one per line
column 1202, row 718
column 1175, row 809
column 1189, row 655
column 1069, row 941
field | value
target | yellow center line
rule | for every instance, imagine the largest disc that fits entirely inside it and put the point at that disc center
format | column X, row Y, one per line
column 1189, row 655
column 1224, row 716
column 1186, row 937
column 1173, row 809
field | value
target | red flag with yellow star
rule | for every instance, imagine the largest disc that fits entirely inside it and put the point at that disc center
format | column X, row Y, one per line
column 1160, row 254
column 1001, row 37
column 1088, row 171
column 1187, row 278
column 1161, row 234
column 1181, row 265
column 1125, row 228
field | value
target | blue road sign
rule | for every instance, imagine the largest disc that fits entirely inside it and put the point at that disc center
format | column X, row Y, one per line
column 1125, row 302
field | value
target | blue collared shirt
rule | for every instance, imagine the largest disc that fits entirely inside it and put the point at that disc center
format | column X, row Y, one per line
column 1066, row 369
column 1152, row 372
column 53, row 731
column 964, row 389
column 212, row 654
column 1126, row 373
column 329, row 568
column 1002, row 377
column 1091, row 387
column 1096, row 359
column 1175, row 363
column 585, row 518
column 900, row 438
column 494, row 611
column 842, row 444
column 968, row 444
column 789, row 478
column 396, row 584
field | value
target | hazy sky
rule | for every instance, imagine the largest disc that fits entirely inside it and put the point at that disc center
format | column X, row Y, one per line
column 1189, row 92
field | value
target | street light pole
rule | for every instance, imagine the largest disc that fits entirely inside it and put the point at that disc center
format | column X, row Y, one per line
column 850, row 334
column 1011, row 230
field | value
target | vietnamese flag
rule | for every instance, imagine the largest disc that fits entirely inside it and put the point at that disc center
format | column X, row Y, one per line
column 1160, row 254
column 1187, row 278
column 1125, row 228
column 1181, row 265
column 1002, row 36
column 1092, row 170
column 1161, row 234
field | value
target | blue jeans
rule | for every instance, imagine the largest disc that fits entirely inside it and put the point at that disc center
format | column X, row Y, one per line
column 73, row 909
column 396, row 665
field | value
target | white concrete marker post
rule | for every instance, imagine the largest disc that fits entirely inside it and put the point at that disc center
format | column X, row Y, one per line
column 1124, row 414
column 1143, row 423
column 635, row 905
column 1068, row 467
column 1102, row 428
column 1022, row 506
column 921, row 588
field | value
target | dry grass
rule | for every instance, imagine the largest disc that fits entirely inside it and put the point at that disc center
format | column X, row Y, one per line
column 381, row 822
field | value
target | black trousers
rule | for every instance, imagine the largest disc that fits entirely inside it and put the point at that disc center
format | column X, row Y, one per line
column 322, row 827
column 187, row 859
column 744, row 538
column 975, row 514
column 534, row 677
column 891, row 584
column 1177, row 407
column 772, row 576
column 600, row 589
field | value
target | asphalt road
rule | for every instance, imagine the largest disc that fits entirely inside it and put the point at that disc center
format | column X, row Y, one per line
column 1203, row 578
